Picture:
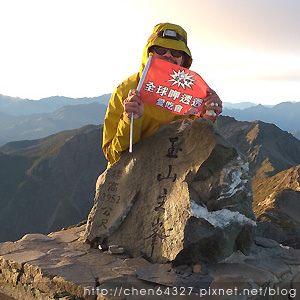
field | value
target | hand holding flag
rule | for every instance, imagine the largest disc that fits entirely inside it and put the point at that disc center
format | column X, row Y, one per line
column 133, row 104
column 213, row 105
column 134, row 108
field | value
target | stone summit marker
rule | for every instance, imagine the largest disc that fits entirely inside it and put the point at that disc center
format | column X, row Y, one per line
column 183, row 195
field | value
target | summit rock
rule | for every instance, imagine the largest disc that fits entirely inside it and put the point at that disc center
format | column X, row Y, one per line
column 183, row 195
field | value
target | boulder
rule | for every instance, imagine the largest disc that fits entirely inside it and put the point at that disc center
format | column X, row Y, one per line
column 183, row 195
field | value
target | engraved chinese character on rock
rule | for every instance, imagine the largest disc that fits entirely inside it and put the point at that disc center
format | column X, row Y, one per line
column 160, row 177
column 173, row 150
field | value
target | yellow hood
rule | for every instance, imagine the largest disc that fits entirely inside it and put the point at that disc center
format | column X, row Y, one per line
column 154, row 39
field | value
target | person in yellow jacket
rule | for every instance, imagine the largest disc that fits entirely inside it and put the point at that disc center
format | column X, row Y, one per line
column 168, row 42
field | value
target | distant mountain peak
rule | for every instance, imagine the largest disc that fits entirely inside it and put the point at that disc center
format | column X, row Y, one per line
column 18, row 106
column 260, row 141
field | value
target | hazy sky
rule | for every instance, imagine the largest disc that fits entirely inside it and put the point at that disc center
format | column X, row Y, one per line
column 246, row 50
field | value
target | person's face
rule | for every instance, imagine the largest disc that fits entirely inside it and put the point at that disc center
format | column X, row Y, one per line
column 170, row 55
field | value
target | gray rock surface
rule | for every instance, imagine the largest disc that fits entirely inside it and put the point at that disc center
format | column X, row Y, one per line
column 183, row 195
column 281, row 221
column 58, row 266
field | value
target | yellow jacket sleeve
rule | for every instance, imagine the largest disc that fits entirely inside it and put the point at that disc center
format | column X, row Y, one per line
column 116, row 128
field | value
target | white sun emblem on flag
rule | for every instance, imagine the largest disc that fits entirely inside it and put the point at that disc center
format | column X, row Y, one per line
column 182, row 79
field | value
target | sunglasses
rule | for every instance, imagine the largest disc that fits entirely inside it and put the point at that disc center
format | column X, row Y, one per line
column 162, row 51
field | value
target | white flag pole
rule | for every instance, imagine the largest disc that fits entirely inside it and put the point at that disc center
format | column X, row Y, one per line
column 138, row 88
column 131, row 132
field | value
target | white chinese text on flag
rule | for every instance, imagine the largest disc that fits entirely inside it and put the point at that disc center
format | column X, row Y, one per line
column 172, row 87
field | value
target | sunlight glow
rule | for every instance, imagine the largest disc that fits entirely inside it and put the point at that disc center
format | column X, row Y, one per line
column 86, row 48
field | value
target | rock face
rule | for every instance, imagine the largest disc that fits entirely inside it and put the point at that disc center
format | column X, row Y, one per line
column 183, row 195
column 277, row 207
column 61, row 266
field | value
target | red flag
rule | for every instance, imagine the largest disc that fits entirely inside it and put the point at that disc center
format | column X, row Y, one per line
column 172, row 87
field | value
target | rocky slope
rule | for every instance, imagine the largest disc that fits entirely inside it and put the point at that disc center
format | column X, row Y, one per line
column 61, row 266
column 276, row 205
column 270, row 150
column 49, row 183
column 274, row 157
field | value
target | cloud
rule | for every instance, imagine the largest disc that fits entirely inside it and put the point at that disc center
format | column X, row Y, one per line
column 250, row 24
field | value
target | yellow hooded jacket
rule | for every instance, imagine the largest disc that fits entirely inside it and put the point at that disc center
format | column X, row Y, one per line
column 116, row 129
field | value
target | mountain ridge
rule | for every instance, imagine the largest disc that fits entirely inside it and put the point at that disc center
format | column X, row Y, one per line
column 41, row 125
column 280, row 150
column 17, row 106
column 49, row 184
column 285, row 115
